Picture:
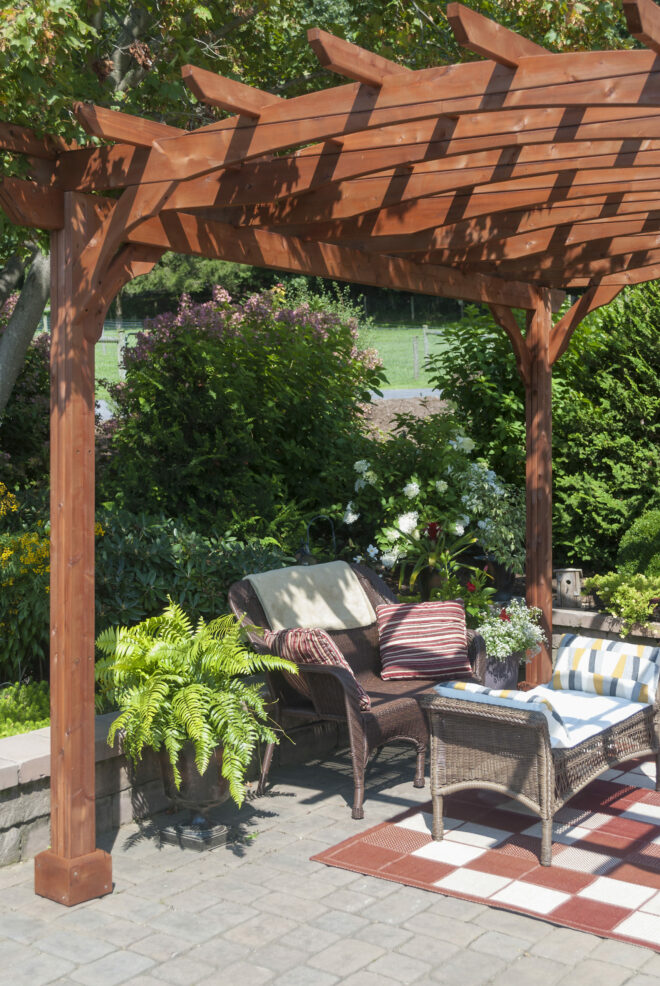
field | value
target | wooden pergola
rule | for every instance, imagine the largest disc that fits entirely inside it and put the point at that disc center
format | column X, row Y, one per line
column 505, row 181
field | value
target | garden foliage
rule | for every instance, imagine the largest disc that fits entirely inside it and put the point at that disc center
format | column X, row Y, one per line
column 632, row 598
column 235, row 411
column 639, row 550
column 24, row 707
column 606, row 411
column 175, row 681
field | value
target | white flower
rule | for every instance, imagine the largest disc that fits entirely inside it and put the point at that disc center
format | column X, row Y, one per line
column 370, row 477
column 372, row 551
column 411, row 489
column 357, row 559
column 359, row 484
column 389, row 558
column 467, row 444
column 361, row 466
column 441, row 486
column 459, row 529
column 350, row 516
column 408, row 522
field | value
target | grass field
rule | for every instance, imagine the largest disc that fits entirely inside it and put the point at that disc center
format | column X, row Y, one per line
column 394, row 345
column 396, row 349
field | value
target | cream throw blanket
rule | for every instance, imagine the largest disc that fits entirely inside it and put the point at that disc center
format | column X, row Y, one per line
column 328, row 596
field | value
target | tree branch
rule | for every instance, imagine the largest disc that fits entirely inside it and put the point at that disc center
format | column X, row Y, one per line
column 23, row 324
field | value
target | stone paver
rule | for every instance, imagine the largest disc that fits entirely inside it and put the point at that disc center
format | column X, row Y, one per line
column 259, row 912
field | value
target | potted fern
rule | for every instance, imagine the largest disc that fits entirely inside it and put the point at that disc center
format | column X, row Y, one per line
column 181, row 689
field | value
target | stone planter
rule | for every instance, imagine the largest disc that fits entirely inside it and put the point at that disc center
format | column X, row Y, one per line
column 503, row 672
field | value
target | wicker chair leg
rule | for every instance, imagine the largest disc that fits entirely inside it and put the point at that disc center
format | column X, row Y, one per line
column 358, row 793
column 546, row 842
column 265, row 767
column 419, row 767
column 438, row 821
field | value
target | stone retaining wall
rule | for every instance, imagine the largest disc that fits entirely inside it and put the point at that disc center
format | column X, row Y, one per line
column 123, row 793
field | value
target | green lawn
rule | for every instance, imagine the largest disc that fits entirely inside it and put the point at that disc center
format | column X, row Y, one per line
column 395, row 347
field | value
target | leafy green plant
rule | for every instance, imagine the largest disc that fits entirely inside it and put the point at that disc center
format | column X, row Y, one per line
column 606, row 411
column 631, row 598
column 639, row 551
column 174, row 681
column 24, row 706
column 24, row 602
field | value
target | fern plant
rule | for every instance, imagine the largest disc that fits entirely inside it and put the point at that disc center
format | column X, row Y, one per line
column 174, row 682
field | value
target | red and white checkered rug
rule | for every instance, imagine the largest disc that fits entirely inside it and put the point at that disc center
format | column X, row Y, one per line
column 605, row 873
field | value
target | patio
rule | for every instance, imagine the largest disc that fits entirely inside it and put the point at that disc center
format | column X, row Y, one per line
column 260, row 912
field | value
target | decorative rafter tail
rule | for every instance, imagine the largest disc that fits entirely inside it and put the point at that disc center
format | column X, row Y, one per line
column 488, row 38
column 643, row 19
column 228, row 94
column 350, row 60
column 113, row 125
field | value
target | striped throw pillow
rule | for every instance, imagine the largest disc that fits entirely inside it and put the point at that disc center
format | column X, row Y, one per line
column 312, row 646
column 423, row 640
column 607, row 667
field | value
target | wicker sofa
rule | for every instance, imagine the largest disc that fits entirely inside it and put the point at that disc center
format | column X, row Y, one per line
column 502, row 741
column 329, row 693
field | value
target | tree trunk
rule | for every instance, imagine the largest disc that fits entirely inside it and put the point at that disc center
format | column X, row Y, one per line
column 23, row 324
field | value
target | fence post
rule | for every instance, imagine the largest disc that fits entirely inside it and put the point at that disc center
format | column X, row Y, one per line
column 120, row 352
column 415, row 357
column 425, row 330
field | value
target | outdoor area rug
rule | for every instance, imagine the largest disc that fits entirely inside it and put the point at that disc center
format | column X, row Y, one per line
column 605, row 873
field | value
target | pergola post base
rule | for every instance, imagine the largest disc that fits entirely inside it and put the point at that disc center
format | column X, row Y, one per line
column 72, row 881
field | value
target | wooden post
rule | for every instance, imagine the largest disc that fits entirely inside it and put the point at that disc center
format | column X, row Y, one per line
column 415, row 350
column 538, row 403
column 72, row 870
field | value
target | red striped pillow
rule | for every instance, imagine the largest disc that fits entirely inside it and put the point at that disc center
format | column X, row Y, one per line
column 423, row 640
column 312, row 646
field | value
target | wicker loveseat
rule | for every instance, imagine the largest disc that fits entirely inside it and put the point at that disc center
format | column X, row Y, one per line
column 329, row 693
column 543, row 746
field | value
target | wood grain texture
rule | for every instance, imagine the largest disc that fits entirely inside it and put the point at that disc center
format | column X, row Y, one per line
column 485, row 37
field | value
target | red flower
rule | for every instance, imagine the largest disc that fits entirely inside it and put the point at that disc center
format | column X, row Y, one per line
column 470, row 586
column 433, row 530
column 504, row 615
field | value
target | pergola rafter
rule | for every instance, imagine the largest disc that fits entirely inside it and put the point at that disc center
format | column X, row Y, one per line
column 504, row 181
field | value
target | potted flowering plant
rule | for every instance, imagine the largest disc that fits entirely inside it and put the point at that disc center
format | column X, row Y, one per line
column 512, row 634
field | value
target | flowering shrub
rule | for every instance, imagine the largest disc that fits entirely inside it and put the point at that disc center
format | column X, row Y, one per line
column 24, row 574
column 24, row 706
column 511, row 629
column 24, row 425
column 424, row 474
column 231, row 410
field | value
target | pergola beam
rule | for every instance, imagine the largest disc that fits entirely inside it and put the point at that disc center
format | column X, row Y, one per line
column 192, row 234
column 350, row 60
column 643, row 19
column 228, row 94
column 486, row 37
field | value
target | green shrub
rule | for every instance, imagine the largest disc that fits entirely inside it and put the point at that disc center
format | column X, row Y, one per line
column 631, row 598
column 606, row 410
column 233, row 411
column 639, row 550
column 24, row 707
column 141, row 561
column 24, row 603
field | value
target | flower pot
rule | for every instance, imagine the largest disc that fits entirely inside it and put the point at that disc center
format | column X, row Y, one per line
column 198, row 792
column 502, row 672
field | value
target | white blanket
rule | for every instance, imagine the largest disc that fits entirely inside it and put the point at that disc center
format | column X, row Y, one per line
column 328, row 596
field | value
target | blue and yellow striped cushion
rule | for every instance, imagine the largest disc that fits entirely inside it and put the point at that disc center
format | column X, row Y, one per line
column 607, row 667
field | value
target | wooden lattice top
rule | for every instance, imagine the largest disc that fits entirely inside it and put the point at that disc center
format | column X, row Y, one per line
column 487, row 180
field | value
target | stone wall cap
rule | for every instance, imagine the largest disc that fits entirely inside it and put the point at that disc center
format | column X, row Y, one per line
column 586, row 619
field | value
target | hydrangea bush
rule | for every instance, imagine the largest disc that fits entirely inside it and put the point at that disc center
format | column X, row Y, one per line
column 422, row 474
